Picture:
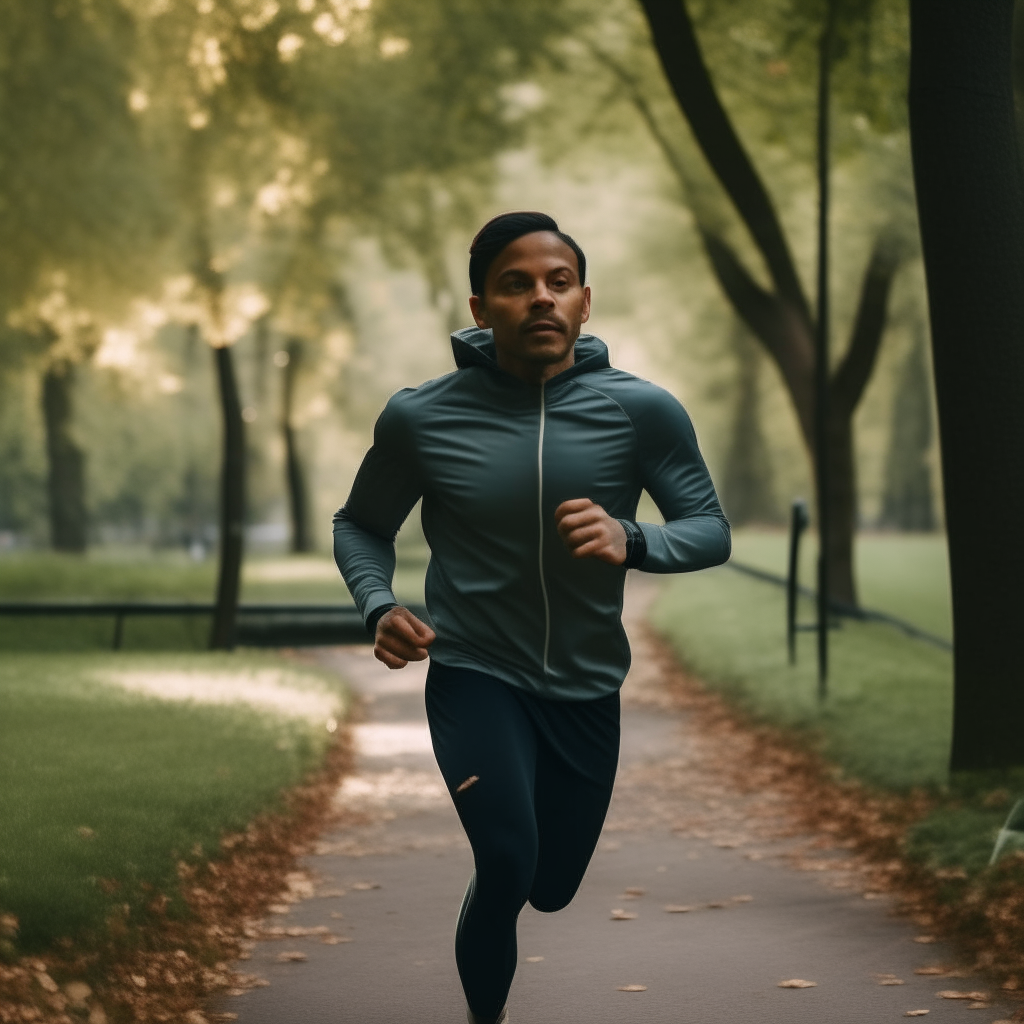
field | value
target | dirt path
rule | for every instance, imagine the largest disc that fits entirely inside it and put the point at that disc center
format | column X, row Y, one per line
column 752, row 903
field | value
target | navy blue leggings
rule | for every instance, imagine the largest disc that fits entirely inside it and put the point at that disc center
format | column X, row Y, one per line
column 543, row 772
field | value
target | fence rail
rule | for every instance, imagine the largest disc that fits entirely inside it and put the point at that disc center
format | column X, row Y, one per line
column 850, row 611
column 257, row 625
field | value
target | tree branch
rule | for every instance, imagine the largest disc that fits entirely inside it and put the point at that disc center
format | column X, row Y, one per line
column 683, row 63
column 851, row 377
column 780, row 328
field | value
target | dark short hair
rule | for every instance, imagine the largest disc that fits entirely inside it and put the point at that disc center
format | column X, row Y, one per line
column 500, row 232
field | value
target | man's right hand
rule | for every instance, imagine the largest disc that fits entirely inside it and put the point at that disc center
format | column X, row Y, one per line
column 401, row 638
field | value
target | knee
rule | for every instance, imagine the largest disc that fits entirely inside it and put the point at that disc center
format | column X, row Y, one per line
column 507, row 871
column 550, row 898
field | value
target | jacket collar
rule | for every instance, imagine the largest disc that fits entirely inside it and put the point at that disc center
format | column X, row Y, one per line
column 473, row 346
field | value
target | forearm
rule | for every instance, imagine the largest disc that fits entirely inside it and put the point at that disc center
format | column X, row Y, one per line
column 685, row 545
column 367, row 563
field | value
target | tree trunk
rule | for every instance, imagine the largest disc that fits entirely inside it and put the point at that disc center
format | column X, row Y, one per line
column 780, row 317
column 66, row 461
column 907, row 502
column 298, row 498
column 970, row 191
column 232, row 503
column 842, row 510
column 747, row 480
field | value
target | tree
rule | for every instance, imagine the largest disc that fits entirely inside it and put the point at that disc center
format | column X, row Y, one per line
column 778, row 311
column 970, row 189
column 77, row 196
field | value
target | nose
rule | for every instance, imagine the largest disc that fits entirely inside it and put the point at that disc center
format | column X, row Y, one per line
column 542, row 297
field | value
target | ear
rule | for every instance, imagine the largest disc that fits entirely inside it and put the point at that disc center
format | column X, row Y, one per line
column 476, row 307
column 586, row 304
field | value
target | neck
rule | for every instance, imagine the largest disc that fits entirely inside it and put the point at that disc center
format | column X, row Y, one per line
column 534, row 373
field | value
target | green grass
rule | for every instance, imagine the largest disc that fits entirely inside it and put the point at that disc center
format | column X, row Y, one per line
column 107, row 575
column 888, row 715
column 906, row 575
column 104, row 791
column 887, row 719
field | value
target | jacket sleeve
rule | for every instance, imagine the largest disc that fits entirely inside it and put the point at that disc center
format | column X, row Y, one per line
column 383, row 493
column 696, row 533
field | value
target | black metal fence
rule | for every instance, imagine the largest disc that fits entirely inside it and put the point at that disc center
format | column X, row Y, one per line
column 256, row 625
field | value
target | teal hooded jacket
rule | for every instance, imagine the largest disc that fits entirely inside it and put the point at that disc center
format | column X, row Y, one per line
column 492, row 458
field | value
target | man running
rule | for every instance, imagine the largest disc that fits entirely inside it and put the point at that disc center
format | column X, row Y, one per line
column 530, row 459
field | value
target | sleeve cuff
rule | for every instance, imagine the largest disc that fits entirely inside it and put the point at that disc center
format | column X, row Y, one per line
column 375, row 616
column 636, row 544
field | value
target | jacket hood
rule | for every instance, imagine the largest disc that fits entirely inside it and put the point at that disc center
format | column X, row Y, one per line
column 474, row 346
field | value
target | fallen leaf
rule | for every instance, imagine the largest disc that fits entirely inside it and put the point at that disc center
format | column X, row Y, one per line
column 798, row 983
column 891, row 981
column 978, row 1006
column 49, row 985
column 632, row 988
column 237, row 991
column 279, row 908
column 952, row 993
column 916, row 1013
column 195, row 1017
column 742, row 899
column 222, row 1018
column 334, row 940
column 139, row 980
column 874, row 895
column 364, row 886
column 677, row 908
column 622, row 915
column 291, row 956
column 1011, row 985
column 925, row 940
column 936, row 971
column 634, row 890
column 534, row 959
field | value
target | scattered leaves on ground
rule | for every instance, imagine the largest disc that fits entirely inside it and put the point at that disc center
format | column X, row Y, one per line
column 534, row 959
column 632, row 988
column 292, row 956
column 618, row 914
column 798, row 983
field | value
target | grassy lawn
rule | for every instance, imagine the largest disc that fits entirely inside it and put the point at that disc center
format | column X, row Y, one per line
column 888, row 716
column 139, row 576
column 115, row 767
column 906, row 575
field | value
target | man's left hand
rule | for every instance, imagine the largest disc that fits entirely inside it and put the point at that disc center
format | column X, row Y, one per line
column 589, row 532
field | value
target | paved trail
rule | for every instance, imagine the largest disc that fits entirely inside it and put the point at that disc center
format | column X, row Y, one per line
column 676, row 835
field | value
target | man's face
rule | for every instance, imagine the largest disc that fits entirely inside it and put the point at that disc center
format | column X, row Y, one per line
column 535, row 303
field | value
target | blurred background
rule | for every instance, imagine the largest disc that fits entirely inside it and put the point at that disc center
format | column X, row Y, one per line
column 298, row 181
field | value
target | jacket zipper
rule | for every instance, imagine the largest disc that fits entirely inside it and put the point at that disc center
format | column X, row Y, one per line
column 540, row 518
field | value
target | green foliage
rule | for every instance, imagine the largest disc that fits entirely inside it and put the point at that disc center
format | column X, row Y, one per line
column 78, row 191
column 105, row 792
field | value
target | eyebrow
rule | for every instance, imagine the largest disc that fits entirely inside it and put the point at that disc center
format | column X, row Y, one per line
column 515, row 271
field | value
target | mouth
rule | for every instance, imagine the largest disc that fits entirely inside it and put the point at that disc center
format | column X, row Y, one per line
column 545, row 327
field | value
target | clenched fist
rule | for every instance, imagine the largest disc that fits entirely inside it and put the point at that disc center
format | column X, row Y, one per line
column 401, row 638
column 589, row 532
